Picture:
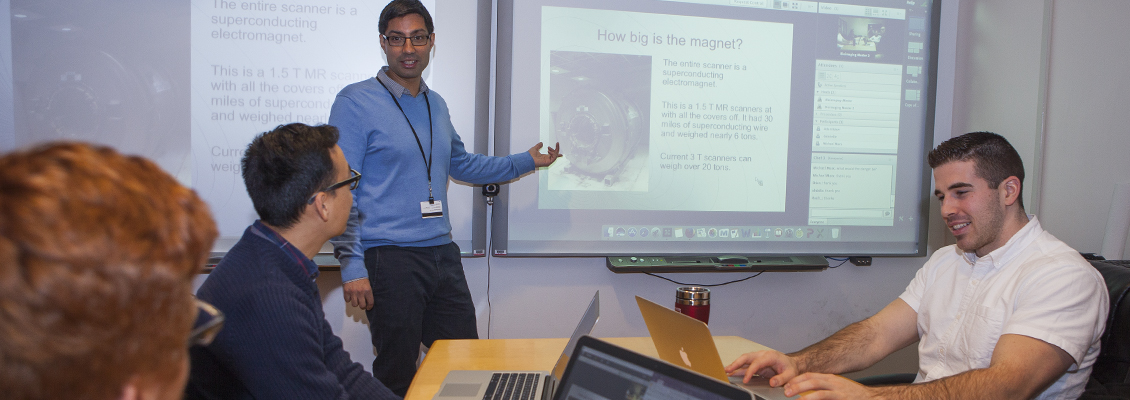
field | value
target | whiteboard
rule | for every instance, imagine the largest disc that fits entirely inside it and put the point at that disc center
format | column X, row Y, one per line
column 189, row 84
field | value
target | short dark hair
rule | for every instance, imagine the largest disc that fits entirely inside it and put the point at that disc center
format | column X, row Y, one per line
column 284, row 167
column 994, row 159
column 399, row 8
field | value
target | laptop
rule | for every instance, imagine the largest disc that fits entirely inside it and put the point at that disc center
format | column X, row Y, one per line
column 516, row 385
column 687, row 342
column 600, row 370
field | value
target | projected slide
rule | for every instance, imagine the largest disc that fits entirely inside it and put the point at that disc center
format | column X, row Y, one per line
column 256, row 65
column 665, row 104
column 717, row 126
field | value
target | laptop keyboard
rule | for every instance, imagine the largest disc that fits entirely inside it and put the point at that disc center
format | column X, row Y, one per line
column 512, row 386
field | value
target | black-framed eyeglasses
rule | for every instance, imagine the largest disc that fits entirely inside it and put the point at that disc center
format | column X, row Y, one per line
column 209, row 321
column 418, row 40
column 351, row 181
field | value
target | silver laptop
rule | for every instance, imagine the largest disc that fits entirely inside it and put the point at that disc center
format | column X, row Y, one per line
column 687, row 342
column 516, row 385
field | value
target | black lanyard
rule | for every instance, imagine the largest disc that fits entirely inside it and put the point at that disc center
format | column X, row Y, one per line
column 431, row 137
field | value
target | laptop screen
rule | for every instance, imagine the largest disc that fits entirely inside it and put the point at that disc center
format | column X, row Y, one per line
column 584, row 327
column 602, row 371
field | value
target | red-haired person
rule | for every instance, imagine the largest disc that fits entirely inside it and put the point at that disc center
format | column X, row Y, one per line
column 97, row 256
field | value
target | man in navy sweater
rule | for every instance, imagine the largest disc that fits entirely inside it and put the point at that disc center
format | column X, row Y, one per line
column 276, row 342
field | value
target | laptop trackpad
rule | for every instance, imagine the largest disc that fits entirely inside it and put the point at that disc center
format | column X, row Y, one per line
column 460, row 390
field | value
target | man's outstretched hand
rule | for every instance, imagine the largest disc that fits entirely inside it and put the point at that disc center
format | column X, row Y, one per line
column 544, row 160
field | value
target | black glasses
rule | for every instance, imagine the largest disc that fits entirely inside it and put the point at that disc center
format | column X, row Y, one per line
column 209, row 321
column 351, row 181
column 418, row 40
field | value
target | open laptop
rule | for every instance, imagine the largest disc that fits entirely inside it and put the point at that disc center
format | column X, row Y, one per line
column 685, row 341
column 516, row 385
column 600, row 370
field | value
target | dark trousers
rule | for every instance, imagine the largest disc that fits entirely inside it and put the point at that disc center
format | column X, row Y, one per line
column 421, row 295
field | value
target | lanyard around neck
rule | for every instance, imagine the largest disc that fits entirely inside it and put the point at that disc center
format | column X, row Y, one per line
column 431, row 137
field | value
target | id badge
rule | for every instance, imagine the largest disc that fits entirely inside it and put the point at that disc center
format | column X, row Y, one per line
column 429, row 210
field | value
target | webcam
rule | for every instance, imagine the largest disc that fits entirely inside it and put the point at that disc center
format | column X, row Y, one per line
column 491, row 189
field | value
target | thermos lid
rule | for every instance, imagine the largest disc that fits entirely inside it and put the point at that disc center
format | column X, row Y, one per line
column 692, row 293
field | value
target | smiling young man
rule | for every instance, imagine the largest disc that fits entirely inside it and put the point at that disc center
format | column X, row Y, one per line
column 397, row 253
column 1008, row 312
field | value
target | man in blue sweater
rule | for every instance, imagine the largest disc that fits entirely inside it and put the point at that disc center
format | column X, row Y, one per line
column 397, row 248
column 276, row 342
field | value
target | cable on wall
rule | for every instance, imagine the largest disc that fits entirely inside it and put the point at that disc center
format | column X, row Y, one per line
column 702, row 284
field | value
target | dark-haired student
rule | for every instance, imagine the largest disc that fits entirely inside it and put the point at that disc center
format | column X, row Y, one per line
column 1009, row 312
column 276, row 342
column 397, row 253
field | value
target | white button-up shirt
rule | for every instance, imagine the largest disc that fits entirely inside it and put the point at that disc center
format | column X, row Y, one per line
column 1034, row 285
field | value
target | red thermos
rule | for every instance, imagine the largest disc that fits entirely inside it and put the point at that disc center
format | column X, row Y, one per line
column 694, row 301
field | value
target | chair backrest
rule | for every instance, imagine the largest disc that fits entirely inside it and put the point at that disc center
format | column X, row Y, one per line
column 1113, row 364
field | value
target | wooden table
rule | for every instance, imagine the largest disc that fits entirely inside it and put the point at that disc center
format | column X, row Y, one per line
column 528, row 354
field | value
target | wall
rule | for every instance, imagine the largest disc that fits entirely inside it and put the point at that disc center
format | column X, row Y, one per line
column 1088, row 120
column 7, row 118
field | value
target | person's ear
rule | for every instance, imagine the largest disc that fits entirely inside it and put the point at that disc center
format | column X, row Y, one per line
column 432, row 46
column 1010, row 190
column 322, row 205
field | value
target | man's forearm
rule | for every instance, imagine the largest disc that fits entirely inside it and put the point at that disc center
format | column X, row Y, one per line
column 845, row 351
column 862, row 344
column 1021, row 368
column 972, row 384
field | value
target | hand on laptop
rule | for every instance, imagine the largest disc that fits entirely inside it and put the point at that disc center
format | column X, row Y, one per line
column 829, row 386
column 776, row 366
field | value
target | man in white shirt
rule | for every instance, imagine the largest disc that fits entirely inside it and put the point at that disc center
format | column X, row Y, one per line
column 1008, row 312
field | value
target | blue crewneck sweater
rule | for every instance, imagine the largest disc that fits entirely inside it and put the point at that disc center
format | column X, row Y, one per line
column 378, row 142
